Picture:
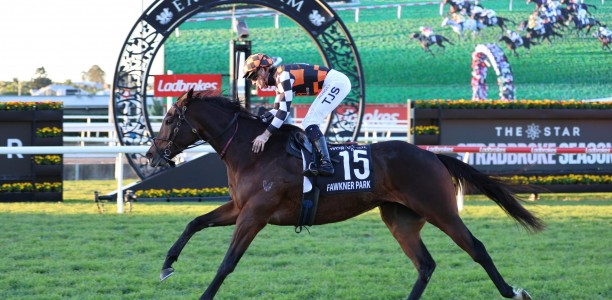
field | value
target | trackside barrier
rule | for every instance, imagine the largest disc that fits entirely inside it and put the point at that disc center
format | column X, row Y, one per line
column 495, row 149
column 118, row 150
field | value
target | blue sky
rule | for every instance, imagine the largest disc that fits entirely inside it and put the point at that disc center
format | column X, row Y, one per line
column 66, row 37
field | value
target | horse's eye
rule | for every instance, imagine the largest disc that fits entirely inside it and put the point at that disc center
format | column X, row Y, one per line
column 168, row 121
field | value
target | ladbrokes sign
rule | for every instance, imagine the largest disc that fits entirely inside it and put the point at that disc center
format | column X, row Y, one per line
column 176, row 85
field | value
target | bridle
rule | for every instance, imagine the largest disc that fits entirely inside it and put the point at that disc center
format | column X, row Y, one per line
column 165, row 154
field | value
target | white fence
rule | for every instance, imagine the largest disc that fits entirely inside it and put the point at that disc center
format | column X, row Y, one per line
column 118, row 151
column 96, row 130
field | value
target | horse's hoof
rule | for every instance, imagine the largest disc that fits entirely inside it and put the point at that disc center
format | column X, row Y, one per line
column 165, row 273
column 521, row 294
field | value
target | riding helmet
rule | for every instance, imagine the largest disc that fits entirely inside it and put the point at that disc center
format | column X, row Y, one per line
column 254, row 62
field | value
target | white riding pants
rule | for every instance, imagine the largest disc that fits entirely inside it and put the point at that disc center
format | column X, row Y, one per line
column 335, row 88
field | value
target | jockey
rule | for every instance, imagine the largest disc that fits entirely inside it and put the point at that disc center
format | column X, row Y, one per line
column 582, row 16
column 329, row 86
column 477, row 12
column 603, row 31
column 535, row 22
column 458, row 18
column 515, row 37
column 427, row 32
column 548, row 14
column 490, row 16
column 553, row 5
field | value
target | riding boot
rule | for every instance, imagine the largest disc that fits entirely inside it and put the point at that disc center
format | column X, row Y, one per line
column 325, row 167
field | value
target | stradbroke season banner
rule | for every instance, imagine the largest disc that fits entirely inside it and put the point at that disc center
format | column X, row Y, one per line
column 532, row 132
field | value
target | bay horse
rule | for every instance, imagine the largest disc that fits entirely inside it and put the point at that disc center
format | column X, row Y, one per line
column 527, row 42
column 426, row 42
column 496, row 21
column 458, row 6
column 545, row 33
column 590, row 23
column 410, row 187
column 604, row 40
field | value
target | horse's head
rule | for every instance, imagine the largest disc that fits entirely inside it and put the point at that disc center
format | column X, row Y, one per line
column 414, row 35
column 176, row 133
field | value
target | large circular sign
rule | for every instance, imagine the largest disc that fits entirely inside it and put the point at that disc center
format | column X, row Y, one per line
column 317, row 18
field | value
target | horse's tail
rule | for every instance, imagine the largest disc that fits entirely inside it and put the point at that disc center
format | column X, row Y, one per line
column 591, row 5
column 495, row 189
column 447, row 40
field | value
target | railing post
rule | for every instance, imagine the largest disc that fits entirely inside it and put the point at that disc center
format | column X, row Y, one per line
column 410, row 120
column 119, row 177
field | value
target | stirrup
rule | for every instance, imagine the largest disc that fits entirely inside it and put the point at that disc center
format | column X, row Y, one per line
column 311, row 170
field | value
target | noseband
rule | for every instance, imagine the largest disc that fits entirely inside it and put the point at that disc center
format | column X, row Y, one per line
column 181, row 115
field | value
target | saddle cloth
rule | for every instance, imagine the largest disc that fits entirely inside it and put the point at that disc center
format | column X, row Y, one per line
column 352, row 164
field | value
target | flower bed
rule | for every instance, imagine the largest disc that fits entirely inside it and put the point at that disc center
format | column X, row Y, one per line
column 46, row 132
column 515, row 104
column 41, row 105
column 24, row 187
column 47, row 159
column 178, row 193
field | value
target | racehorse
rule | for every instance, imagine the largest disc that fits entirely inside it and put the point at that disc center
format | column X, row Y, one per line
column 499, row 21
column 538, row 3
column 605, row 40
column 460, row 28
column 527, row 42
column 544, row 33
column 458, row 6
column 573, row 7
column 410, row 187
column 590, row 22
column 426, row 42
column 561, row 17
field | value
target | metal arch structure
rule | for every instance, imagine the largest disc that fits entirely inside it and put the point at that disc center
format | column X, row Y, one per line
column 159, row 20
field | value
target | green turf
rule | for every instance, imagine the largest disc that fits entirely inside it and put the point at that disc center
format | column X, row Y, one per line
column 396, row 69
column 69, row 251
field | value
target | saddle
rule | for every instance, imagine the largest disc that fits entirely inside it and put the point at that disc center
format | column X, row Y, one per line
column 300, row 146
column 352, row 175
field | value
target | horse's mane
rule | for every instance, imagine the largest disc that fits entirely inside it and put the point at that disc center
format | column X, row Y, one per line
column 214, row 97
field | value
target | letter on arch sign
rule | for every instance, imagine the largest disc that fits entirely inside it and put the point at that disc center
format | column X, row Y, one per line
column 160, row 19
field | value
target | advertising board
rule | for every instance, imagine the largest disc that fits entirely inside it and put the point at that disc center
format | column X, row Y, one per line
column 177, row 84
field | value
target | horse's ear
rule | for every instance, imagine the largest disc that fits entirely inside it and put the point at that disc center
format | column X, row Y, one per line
column 190, row 93
column 189, row 96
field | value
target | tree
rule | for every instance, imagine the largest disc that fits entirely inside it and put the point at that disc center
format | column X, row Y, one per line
column 94, row 74
column 40, row 79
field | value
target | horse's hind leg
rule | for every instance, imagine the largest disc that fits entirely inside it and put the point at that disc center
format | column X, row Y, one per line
column 456, row 230
column 222, row 216
column 405, row 226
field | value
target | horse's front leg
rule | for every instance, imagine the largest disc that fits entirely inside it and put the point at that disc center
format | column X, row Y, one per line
column 249, row 223
column 222, row 216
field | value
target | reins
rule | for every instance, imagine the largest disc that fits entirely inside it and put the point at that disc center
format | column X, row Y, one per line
column 181, row 115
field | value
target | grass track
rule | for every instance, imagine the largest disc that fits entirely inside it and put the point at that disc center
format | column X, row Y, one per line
column 68, row 251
